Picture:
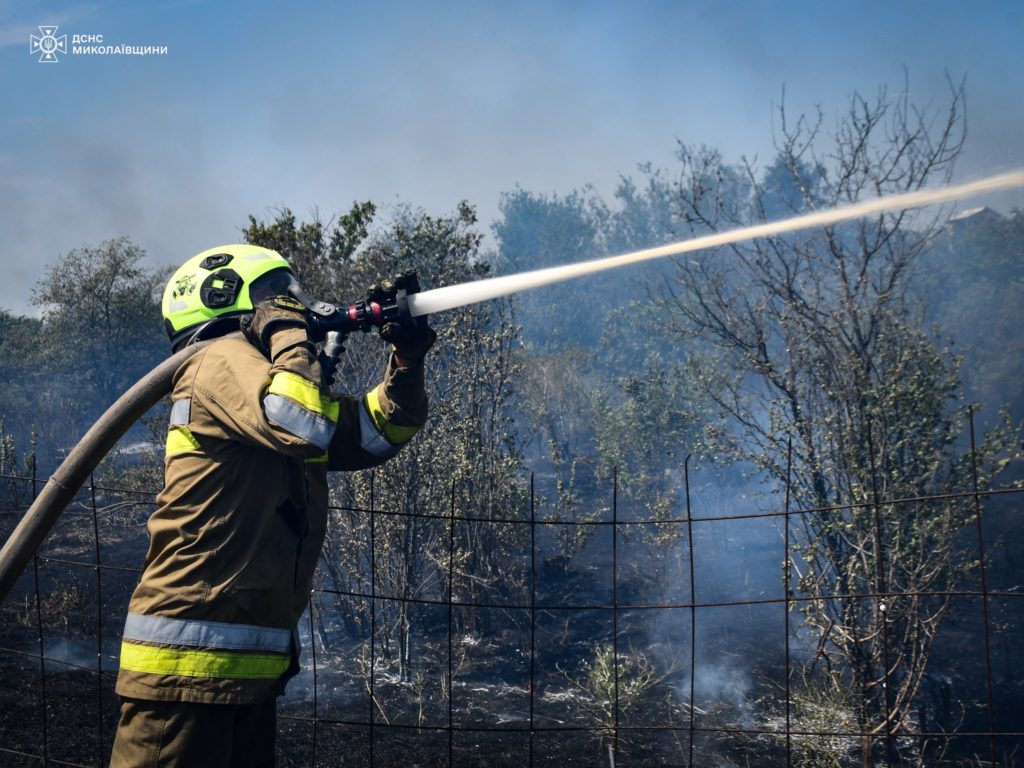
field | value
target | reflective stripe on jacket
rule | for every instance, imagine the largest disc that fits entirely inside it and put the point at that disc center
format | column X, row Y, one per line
column 241, row 519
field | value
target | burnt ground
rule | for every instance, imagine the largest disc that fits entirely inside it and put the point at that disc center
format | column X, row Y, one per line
column 79, row 721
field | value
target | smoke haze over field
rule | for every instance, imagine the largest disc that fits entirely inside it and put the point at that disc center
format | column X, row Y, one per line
column 255, row 106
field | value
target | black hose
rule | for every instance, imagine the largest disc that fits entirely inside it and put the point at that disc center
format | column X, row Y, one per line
column 80, row 462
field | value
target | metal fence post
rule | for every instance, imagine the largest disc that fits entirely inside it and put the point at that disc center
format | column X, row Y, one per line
column 693, row 606
column 976, row 495
column 99, row 623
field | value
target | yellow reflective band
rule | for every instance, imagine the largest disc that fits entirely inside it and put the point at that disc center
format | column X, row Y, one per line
column 193, row 663
column 305, row 393
column 317, row 460
column 179, row 440
column 393, row 433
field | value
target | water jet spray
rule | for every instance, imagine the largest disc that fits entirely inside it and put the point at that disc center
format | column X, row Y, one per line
column 450, row 297
column 90, row 450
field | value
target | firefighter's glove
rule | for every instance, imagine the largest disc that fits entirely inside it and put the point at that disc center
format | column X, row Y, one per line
column 384, row 291
column 411, row 340
column 271, row 316
column 412, row 337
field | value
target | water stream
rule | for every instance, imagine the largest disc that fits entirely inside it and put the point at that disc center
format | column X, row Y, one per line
column 452, row 296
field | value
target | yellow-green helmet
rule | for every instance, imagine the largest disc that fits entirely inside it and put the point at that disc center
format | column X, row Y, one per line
column 210, row 291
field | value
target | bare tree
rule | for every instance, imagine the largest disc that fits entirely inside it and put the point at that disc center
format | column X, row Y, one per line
column 817, row 344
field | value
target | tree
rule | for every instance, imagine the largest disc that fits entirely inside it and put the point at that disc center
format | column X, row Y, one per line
column 584, row 383
column 20, row 339
column 101, row 331
column 319, row 252
column 818, row 345
column 973, row 286
column 604, row 394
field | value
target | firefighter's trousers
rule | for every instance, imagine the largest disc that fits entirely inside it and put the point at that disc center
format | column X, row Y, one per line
column 176, row 734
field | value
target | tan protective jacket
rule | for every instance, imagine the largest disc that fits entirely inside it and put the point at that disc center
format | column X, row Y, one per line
column 241, row 519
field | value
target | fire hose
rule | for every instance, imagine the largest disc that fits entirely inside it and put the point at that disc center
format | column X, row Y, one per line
column 101, row 437
column 64, row 483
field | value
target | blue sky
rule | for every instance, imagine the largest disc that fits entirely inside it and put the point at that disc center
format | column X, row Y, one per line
column 258, row 105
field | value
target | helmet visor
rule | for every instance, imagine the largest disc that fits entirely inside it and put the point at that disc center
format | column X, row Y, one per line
column 279, row 282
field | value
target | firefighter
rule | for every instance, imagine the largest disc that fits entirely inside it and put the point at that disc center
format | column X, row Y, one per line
column 210, row 639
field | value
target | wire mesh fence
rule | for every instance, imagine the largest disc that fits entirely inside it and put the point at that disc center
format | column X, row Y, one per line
column 614, row 638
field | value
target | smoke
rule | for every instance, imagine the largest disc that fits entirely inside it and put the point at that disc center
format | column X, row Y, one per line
column 81, row 653
column 719, row 683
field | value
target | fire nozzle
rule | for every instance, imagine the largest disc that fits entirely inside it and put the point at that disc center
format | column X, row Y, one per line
column 361, row 316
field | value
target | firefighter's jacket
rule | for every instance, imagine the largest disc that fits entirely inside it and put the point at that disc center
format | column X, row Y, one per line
column 242, row 516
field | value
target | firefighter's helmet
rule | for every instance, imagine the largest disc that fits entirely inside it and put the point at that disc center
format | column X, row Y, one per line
column 208, row 294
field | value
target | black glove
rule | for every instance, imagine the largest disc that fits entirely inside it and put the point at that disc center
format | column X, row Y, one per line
column 411, row 338
column 272, row 315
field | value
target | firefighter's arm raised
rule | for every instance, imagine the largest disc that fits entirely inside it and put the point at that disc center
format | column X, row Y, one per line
column 286, row 409
column 374, row 428
column 237, row 398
